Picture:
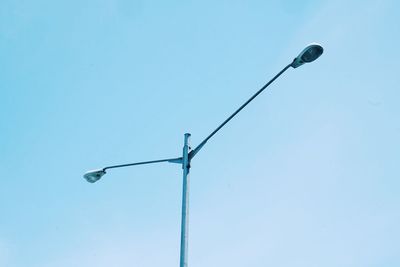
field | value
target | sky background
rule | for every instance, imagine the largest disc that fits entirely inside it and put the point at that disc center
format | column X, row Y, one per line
column 307, row 175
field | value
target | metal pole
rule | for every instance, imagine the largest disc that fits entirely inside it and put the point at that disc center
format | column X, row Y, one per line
column 185, row 201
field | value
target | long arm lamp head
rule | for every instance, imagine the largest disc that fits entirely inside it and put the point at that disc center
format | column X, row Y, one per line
column 309, row 54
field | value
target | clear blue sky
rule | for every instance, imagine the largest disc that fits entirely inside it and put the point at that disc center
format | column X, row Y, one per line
column 307, row 175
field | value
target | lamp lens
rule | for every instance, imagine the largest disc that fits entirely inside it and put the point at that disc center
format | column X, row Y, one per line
column 312, row 53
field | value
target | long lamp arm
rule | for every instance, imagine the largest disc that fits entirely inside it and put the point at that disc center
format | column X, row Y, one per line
column 200, row 146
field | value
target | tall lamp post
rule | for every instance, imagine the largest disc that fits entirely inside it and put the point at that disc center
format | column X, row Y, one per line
column 309, row 54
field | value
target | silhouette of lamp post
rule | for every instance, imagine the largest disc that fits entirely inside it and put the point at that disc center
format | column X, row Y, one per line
column 309, row 54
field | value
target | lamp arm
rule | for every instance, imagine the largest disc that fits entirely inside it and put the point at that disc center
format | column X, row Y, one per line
column 173, row 160
column 197, row 149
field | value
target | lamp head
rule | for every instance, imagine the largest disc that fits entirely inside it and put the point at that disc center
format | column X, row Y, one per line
column 94, row 175
column 309, row 54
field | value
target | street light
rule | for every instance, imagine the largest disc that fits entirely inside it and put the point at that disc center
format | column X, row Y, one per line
column 94, row 175
column 309, row 54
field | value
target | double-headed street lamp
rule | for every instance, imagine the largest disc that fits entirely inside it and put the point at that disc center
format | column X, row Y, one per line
column 309, row 54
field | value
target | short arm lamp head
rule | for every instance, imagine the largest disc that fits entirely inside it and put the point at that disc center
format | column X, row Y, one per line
column 94, row 175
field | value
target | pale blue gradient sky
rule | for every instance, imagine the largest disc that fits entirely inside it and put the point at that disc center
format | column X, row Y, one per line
column 307, row 175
